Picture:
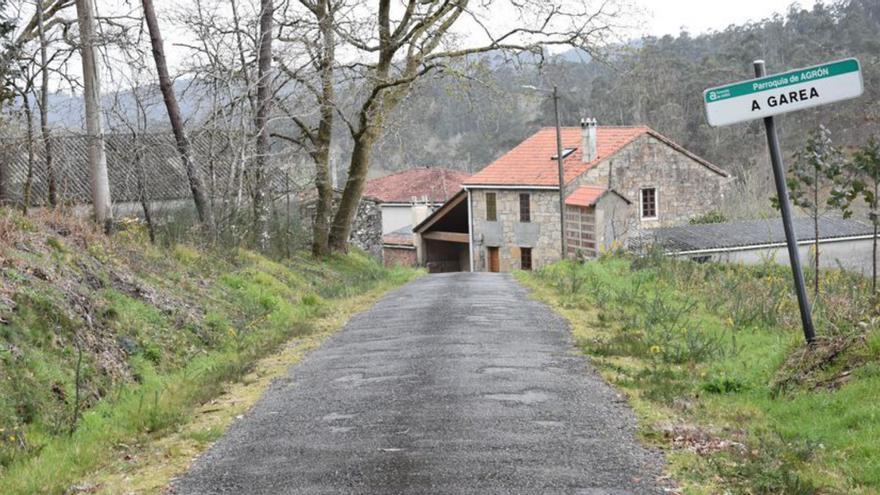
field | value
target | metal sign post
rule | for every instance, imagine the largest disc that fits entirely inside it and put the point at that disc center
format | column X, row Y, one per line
column 766, row 96
column 785, row 207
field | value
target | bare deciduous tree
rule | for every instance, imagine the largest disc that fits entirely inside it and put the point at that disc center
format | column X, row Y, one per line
column 423, row 39
column 261, row 123
column 322, row 57
column 44, row 107
column 196, row 184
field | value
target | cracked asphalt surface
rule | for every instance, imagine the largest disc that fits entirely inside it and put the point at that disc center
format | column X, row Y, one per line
column 454, row 383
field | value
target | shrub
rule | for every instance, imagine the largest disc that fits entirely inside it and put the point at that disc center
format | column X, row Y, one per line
column 713, row 216
column 722, row 385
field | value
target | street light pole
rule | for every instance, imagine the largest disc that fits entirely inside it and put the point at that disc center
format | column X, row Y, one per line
column 559, row 160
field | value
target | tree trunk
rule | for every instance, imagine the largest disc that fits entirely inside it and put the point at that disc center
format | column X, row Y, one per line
column 816, row 256
column 324, row 205
column 354, row 187
column 242, row 56
column 196, row 184
column 874, row 261
column 143, row 196
column 261, row 123
column 29, row 179
column 4, row 197
column 137, row 132
column 51, row 180
column 323, row 181
column 94, row 127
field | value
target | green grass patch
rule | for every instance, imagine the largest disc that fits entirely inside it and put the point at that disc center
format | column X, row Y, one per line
column 118, row 342
column 713, row 361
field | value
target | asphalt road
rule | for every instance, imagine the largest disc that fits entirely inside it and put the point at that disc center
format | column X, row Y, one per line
column 454, row 383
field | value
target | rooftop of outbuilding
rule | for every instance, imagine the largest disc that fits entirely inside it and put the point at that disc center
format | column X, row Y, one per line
column 437, row 184
column 746, row 233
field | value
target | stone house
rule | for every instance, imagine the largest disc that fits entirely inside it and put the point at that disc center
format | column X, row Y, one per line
column 617, row 181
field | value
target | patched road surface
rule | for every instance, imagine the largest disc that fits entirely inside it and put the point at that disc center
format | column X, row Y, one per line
column 454, row 383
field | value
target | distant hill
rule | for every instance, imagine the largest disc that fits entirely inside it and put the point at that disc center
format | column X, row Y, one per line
column 466, row 123
column 66, row 109
column 653, row 81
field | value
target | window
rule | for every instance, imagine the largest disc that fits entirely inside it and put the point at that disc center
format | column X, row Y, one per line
column 525, row 208
column 649, row 202
column 525, row 258
column 491, row 209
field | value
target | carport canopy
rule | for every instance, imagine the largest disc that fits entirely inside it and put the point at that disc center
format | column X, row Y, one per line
column 448, row 223
column 445, row 236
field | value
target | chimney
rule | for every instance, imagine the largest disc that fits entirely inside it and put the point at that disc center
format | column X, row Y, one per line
column 420, row 210
column 588, row 140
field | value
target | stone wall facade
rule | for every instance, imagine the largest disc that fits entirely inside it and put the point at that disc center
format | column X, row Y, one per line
column 685, row 187
column 615, row 219
column 542, row 234
column 366, row 231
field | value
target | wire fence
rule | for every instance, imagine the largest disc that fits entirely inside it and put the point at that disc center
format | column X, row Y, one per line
column 148, row 159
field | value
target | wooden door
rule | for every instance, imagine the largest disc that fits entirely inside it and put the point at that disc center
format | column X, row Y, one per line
column 494, row 262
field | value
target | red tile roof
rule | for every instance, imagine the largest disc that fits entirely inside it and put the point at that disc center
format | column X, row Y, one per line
column 585, row 195
column 532, row 162
column 397, row 239
column 438, row 184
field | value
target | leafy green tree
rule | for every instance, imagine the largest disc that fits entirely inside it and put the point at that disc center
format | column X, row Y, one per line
column 862, row 181
column 816, row 170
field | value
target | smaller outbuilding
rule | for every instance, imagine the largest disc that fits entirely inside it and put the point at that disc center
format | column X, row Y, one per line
column 843, row 243
column 430, row 186
column 595, row 215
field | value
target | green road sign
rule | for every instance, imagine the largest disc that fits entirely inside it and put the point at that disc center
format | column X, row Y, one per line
column 781, row 93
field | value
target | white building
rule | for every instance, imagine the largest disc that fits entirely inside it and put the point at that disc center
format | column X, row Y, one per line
column 406, row 198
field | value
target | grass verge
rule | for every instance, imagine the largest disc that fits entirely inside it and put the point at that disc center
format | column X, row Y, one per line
column 712, row 360
column 110, row 345
column 147, row 468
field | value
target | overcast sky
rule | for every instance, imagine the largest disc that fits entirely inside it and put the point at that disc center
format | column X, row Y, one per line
column 658, row 18
column 698, row 16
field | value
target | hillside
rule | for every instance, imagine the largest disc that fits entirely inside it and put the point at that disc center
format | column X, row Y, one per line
column 466, row 123
column 105, row 341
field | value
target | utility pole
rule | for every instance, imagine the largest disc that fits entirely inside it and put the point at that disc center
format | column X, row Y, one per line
column 94, row 128
column 559, row 163
column 559, row 160
column 785, row 208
